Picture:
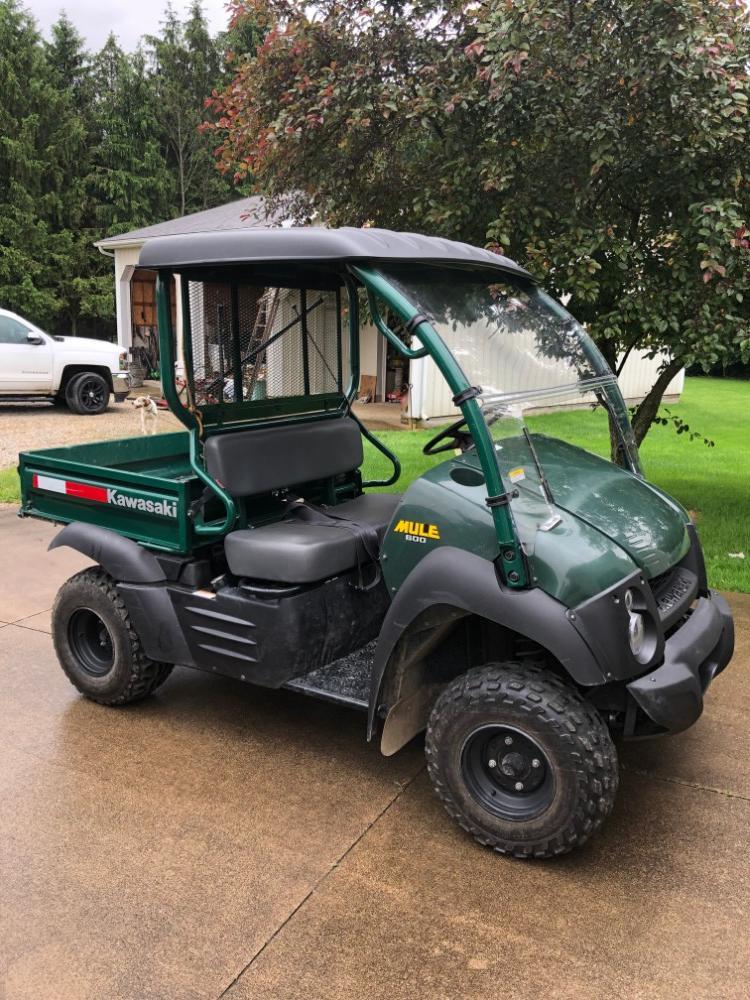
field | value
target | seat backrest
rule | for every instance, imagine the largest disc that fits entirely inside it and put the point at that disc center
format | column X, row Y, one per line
column 269, row 458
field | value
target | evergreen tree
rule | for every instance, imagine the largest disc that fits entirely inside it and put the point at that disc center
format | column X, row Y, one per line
column 187, row 65
column 94, row 146
column 129, row 180
column 82, row 280
column 33, row 149
column 70, row 63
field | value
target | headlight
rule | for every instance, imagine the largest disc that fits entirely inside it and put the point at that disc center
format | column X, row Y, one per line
column 642, row 636
column 636, row 633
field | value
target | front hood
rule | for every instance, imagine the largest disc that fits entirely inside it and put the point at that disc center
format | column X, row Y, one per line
column 644, row 522
column 88, row 345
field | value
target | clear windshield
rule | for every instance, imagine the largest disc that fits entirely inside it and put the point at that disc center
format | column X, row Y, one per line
column 526, row 353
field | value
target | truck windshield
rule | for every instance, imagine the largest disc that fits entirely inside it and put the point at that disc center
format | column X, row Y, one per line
column 527, row 354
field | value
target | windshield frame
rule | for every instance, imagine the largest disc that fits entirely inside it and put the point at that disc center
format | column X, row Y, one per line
column 513, row 566
column 515, row 546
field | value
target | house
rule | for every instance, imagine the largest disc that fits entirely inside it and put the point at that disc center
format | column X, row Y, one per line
column 383, row 371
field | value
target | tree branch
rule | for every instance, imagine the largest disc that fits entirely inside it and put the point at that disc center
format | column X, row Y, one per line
column 627, row 353
column 649, row 405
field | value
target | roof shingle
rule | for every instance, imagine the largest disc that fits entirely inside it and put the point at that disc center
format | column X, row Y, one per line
column 240, row 214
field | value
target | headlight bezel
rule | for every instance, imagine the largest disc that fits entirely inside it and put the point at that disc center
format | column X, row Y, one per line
column 604, row 621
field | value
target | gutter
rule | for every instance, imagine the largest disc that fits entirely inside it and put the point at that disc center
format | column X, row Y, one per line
column 108, row 246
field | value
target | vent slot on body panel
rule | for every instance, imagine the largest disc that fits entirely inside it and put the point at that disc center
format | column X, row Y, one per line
column 227, row 640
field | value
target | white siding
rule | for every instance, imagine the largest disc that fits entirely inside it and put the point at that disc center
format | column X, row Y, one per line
column 639, row 374
column 431, row 397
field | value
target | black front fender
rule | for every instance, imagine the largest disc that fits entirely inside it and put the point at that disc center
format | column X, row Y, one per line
column 458, row 579
column 122, row 558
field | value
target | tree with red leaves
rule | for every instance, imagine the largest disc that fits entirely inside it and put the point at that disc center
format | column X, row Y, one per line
column 603, row 144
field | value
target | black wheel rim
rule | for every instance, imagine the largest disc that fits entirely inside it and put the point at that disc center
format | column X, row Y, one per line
column 91, row 394
column 91, row 642
column 507, row 772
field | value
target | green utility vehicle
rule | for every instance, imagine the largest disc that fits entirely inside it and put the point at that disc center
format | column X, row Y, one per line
column 525, row 602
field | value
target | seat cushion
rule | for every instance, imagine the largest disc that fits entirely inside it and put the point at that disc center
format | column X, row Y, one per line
column 373, row 509
column 295, row 551
column 290, row 552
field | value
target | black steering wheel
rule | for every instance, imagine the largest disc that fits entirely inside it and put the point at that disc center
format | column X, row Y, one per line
column 452, row 437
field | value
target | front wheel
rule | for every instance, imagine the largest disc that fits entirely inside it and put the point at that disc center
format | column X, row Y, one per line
column 87, row 394
column 97, row 645
column 521, row 760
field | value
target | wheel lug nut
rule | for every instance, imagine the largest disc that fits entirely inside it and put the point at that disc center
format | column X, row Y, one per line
column 536, row 762
column 508, row 740
column 491, row 763
column 519, row 786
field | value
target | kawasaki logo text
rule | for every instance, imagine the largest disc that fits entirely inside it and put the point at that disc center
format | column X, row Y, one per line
column 167, row 508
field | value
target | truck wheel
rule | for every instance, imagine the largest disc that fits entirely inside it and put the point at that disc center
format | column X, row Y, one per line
column 96, row 644
column 520, row 760
column 87, row 393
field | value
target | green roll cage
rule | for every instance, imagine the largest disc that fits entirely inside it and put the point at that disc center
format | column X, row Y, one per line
column 225, row 416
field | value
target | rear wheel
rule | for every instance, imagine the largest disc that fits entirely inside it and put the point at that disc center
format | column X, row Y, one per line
column 521, row 760
column 87, row 393
column 96, row 644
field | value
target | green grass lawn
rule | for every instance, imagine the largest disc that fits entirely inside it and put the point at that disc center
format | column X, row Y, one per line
column 9, row 486
column 713, row 483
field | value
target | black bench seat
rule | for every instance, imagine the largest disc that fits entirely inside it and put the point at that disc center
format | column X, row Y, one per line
column 293, row 551
column 252, row 462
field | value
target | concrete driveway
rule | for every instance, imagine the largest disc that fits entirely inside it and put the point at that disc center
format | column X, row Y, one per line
column 224, row 841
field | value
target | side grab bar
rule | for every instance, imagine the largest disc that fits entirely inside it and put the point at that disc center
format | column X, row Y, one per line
column 200, row 527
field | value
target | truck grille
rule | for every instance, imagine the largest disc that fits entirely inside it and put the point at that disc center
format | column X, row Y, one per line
column 674, row 592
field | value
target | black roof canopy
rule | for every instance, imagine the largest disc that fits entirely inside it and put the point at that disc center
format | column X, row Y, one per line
column 254, row 245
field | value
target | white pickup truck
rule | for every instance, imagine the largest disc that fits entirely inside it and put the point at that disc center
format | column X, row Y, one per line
column 74, row 371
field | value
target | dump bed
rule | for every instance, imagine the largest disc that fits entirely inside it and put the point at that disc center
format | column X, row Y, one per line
column 141, row 487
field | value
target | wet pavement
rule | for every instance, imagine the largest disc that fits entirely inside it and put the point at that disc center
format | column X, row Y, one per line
column 221, row 840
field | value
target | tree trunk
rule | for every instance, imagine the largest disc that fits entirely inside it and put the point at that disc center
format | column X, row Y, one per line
column 646, row 409
column 649, row 406
column 616, row 453
column 181, row 176
column 609, row 350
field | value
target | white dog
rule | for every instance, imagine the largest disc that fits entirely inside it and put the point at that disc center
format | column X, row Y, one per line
column 148, row 409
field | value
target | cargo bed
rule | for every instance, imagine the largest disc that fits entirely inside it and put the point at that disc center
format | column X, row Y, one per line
column 141, row 487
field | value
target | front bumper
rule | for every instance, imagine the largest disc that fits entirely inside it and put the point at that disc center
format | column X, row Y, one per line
column 671, row 696
column 120, row 386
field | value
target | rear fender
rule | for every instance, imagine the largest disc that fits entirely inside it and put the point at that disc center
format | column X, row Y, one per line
column 446, row 585
column 122, row 558
column 141, row 583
